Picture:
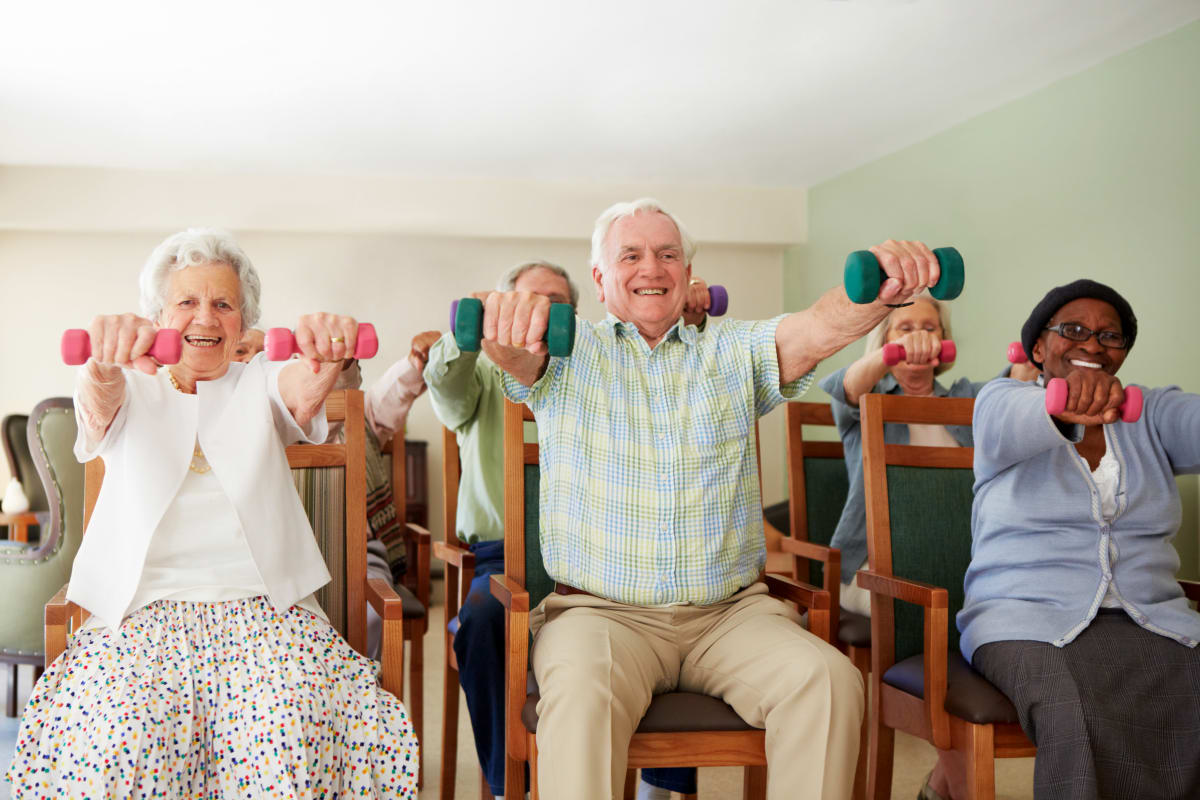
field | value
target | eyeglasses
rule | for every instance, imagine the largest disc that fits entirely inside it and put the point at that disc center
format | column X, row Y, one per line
column 1077, row 333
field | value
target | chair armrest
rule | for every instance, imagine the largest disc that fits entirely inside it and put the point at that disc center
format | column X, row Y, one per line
column 816, row 601
column 803, row 549
column 935, row 601
column 915, row 592
column 510, row 595
column 1191, row 590
column 418, row 543
column 451, row 554
column 384, row 600
column 61, row 618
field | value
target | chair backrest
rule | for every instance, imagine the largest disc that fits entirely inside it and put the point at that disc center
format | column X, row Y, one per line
column 451, row 473
column 31, row 575
column 817, row 480
column 20, row 460
column 332, row 484
column 918, row 514
column 522, row 547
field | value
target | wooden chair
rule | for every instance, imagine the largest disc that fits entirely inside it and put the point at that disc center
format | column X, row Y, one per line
column 680, row 728
column 460, row 571
column 414, row 587
column 817, row 489
column 333, row 488
column 31, row 573
column 919, row 526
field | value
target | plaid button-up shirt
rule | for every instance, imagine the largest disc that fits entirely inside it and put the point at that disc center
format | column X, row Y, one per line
column 649, row 474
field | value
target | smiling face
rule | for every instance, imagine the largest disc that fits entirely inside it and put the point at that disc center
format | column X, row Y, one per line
column 644, row 276
column 1060, row 355
column 204, row 303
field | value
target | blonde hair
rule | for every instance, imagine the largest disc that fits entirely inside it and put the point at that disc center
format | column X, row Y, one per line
column 878, row 334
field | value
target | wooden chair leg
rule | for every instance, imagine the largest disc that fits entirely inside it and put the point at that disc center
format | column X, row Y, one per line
column 980, row 757
column 449, row 728
column 10, row 704
column 754, row 785
column 485, row 791
column 514, row 772
column 631, row 781
column 688, row 797
column 860, row 657
column 882, row 751
column 416, row 688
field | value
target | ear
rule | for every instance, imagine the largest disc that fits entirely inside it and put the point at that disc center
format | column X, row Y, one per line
column 1039, row 351
column 598, row 279
column 688, row 271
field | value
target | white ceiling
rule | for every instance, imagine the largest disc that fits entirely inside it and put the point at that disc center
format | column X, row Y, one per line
column 744, row 92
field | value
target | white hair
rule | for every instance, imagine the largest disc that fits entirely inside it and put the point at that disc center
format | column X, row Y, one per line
column 509, row 281
column 617, row 211
column 194, row 247
column 878, row 334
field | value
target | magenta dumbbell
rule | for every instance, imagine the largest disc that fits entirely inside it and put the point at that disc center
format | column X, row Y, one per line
column 1056, row 400
column 280, row 343
column 894, row 353
column 1016, row 354
column 76, row 346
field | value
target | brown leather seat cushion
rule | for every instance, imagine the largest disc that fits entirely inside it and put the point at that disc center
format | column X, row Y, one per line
column 854, row 629
column 969, row 695
column 668, row 713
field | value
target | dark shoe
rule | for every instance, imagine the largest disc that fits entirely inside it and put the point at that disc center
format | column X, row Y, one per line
column 926, row 793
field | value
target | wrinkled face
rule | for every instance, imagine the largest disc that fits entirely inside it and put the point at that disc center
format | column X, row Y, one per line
column 204, row 303
column 1061, row 356
column 920, row 316
column 250, row 345
column 644, row 277
column 547, row 283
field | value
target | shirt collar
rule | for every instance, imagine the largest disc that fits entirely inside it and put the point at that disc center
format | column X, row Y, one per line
column 890, row 385
column 684, row 333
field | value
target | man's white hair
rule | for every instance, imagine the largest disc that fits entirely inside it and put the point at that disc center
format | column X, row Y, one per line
column 617, row 211
column 509, row 281
column 194, row 247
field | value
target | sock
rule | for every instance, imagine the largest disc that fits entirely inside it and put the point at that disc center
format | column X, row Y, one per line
column 648, row 792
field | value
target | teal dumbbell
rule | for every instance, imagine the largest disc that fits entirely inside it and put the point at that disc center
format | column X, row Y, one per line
column 863, row 275
column 466, row 316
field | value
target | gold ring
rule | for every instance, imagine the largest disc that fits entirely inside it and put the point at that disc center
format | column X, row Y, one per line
column 519, row 344
column 336, row 339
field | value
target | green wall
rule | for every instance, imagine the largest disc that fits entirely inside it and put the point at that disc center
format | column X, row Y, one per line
column 1097, row 176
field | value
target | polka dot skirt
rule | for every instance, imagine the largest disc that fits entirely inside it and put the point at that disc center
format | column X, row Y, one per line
column 213, row 700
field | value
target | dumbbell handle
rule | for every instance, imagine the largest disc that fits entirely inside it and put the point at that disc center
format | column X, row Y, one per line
column 280, row 343
column 76, row 346
column 1016, row 354
column 1056, row 400
column 894, row 353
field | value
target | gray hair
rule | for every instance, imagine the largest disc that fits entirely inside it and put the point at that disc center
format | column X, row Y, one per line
column 617, row 211
column 194, row 247
column 509, row 281
column 878, row 334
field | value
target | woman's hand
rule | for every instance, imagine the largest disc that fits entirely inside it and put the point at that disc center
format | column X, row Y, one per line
column 122, row 341
column 324, row 338
column 920, row 347
column 1093, row 398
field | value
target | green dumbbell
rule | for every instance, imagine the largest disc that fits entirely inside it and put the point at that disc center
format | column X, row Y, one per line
column 467, row 317
column 863, row 275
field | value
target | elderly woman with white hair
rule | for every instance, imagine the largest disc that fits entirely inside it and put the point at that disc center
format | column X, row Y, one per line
column 206, row 669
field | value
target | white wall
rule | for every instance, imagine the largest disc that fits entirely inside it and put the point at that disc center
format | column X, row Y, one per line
column 57, row 270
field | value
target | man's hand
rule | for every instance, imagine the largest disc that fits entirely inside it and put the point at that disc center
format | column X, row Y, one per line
column 1093, row 398
column 418, row 356
column 514, row 329
column 911, row 268
column 696, row 303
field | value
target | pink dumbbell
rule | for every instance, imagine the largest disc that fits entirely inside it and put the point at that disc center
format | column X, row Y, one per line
column 894, row 353
column 76, row 346
column 1016, row 354
column 1056, row 400
column 280, row 343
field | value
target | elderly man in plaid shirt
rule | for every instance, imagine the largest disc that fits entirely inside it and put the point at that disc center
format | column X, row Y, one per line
column 650, row 508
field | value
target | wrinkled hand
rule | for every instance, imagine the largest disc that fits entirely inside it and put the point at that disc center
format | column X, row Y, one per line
column 911, row 268
column 123, row 341
column 316, row 335
column 921, row 347
column 419, row 354
column 696, row 302
column 1093, row 398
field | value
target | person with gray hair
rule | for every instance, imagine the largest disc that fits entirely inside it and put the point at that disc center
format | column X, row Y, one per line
column 206, row 667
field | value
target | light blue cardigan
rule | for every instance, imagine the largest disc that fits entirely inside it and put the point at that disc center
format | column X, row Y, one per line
column 1040, row 552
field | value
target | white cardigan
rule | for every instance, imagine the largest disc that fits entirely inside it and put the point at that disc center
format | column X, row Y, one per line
column 243, row 426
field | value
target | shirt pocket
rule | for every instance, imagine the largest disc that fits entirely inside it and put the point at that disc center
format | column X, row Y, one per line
column 717, row 427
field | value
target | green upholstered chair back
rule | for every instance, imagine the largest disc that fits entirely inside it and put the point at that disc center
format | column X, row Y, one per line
column 918, row 509
column 20, row 461
column 931, row 543
column 31, row 574
column 818, row 490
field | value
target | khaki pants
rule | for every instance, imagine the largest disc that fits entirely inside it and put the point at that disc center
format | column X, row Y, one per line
column 598, row 663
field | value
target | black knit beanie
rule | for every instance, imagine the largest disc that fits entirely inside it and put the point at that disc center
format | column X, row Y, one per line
column 1059, row 296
